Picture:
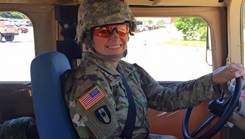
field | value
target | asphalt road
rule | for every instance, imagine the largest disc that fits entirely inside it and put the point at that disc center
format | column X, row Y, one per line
column 167, row 62
column 16, row 56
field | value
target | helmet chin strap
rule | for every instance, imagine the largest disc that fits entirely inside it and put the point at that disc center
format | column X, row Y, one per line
column 110, row 58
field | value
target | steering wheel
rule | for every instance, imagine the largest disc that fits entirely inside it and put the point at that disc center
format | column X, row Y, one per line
column 222, row 108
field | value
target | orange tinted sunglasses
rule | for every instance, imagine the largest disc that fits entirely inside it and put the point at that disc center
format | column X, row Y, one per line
column 106, row 31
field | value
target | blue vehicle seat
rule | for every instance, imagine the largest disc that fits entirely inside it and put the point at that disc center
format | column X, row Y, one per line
column 52, row 116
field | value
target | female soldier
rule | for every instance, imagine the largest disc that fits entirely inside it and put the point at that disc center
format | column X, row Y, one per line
column 108, row 97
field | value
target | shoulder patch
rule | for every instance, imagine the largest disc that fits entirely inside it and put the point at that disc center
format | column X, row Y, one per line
column 103, row 114
column 91, row 97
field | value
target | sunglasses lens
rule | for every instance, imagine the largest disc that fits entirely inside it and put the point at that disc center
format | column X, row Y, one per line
column 122, row 30
column 105, row 31
column 102, row 32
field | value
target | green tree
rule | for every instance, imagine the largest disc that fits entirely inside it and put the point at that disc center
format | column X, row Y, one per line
column 160, row 23
column 16, row 15
column 149, row 22
column 192, row 28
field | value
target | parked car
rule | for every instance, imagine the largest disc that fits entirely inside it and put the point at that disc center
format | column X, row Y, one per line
column 22, row 29
column 155, row 27
column 148, row 27
column 145, row 28
column 140, row 28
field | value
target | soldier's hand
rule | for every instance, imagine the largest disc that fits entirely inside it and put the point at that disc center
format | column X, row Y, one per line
column 228, row 72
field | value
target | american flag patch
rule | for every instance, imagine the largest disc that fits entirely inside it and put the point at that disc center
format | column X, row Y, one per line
column 92, row 97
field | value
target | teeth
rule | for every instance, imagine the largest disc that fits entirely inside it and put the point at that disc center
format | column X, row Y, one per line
column 114, row 46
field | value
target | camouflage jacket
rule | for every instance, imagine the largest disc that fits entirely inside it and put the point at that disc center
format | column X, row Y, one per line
column 98, row 103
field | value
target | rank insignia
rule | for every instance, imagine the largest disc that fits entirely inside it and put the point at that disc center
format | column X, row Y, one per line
column 91, row 97
column 103, row 115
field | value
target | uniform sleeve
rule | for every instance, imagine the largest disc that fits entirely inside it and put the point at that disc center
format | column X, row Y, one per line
column 177, row 96
column 78, row 122
column 97, row 119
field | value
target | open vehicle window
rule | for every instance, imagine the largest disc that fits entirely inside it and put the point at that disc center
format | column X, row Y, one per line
column 168, row 53
column 16, row 46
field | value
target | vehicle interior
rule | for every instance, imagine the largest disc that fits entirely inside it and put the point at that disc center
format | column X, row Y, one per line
column 54, row 28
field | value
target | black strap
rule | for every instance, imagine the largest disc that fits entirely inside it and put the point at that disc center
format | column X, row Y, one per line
column 130, row 122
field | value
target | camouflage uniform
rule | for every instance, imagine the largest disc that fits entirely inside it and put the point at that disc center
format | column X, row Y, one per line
column 95, row 93
column 105, row 117
column 19, row 128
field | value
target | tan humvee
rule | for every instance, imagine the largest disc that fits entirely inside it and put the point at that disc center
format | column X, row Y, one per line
column 7, row 32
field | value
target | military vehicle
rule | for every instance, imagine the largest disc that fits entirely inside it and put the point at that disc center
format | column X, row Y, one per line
column 168, row 60
column 7, row 32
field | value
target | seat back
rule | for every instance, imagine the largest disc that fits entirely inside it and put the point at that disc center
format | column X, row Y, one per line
column 52, row 116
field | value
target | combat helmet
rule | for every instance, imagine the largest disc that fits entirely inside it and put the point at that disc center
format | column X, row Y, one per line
column 92, row 13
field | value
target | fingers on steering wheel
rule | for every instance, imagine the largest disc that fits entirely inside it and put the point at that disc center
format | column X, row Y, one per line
column 236, row 70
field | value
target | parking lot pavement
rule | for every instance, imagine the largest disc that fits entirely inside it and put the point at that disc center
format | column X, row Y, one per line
column 16, row 56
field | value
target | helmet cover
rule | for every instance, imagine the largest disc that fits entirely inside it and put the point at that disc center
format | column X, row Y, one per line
column 92, row 13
